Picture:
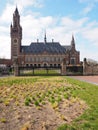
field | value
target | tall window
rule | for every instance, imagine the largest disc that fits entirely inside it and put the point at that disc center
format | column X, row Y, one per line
column 73, row 61
column 57, row 59
column 50, row 65
column 54, row 65
column 27, row 59
column 52, row 59
column 32, row 59
column 39, row 65
column 37, row 59
column 61, row 59
column 35, row 65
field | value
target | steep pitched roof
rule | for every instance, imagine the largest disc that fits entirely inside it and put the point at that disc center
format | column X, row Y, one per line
column 41, row 47
column 67, row 47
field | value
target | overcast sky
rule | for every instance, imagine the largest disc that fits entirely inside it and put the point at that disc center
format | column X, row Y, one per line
column 60, row 19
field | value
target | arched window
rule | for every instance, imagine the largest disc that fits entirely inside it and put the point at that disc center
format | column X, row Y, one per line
column 51, row 65
column 59, row 65
column 35, row 65
column 39, row 65
column 73, row 61
column 45, row 65
column 54, row 65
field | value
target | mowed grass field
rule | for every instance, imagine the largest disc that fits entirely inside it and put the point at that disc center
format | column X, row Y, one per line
column 47, row 103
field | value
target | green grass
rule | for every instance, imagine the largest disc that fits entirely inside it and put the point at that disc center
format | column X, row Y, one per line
column 16, row 81
column 89, row 120
column 40, row 72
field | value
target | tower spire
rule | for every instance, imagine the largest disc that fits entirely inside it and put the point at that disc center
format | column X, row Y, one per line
column 16, row 17
column 16, row 10
column 73, row 42
column 45, row 38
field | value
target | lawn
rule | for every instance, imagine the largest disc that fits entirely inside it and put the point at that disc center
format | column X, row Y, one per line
column 88, row 120
column 47, row 102
column 40, row 72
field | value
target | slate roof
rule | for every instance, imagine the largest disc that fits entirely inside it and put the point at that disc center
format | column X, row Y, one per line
column 67, row 47
column 41, row 47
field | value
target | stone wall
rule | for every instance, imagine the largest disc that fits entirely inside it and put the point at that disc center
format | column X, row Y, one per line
column 6, row 62
column 90, row 68
column 16, row 66
column 63, row 69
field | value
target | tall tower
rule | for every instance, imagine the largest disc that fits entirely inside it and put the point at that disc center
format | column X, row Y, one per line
column 16, row 35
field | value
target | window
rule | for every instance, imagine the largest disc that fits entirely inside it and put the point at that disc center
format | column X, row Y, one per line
column 54, row 65
column 52, row 59
column 26, row 59
column 45, row 65
column 41, row 59
column 37, row 59
column 32, row 59
column 35, row 65
column 73, row 61
column 59, row 65
column 38, row 65
column 27, row 65
column 50, row 65
column 48, row 59
column 60, row 59
column 57, row 59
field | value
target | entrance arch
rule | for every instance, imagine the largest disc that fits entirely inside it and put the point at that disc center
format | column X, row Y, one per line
column 45, row 64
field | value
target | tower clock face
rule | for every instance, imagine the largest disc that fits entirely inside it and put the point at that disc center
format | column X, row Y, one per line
column 15, row 40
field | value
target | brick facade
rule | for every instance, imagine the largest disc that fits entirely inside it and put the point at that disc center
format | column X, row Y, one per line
column 40, row 53
column 6, row 62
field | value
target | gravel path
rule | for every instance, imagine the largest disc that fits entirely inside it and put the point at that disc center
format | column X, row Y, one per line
column 89, row 79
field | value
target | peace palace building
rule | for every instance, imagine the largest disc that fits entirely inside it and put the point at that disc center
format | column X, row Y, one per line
column 40, row 54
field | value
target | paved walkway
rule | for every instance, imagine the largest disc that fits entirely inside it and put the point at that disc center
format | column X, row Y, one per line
column 89, row 79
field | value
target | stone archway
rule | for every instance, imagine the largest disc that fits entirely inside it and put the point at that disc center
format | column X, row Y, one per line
column 45, row 64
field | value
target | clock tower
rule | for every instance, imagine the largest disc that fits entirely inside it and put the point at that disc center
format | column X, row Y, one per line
column 16, row 36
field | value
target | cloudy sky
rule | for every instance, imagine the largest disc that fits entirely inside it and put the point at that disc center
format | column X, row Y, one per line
column 60, row 19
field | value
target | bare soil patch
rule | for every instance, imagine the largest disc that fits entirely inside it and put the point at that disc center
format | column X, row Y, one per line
column 57, row 107
column 42, row 118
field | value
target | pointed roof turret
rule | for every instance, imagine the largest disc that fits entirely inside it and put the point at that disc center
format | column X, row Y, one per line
column 16, row 18
column 73, row 42
column 45, row 38
column 16, row 10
